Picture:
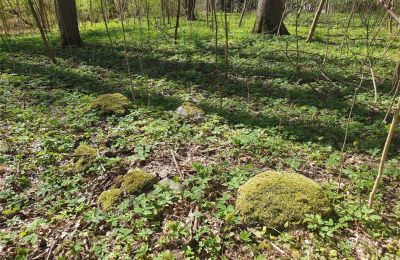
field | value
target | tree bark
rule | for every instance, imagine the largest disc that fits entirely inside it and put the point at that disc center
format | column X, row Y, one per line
column 68, row 22
column 189, row 9
column 269, row 17
column 42, row 12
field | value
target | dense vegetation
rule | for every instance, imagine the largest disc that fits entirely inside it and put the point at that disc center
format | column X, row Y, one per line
column 285, row 105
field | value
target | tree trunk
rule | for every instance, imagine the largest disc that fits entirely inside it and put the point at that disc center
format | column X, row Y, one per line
column 42, row 12
column 315, row 21
column 189, row 9
column 269, row 17
column 68, row 22
column 42, row 33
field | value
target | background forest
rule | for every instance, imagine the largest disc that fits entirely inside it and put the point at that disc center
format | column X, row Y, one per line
column 199, row 129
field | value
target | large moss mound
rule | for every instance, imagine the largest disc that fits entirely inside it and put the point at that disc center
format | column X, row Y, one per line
column 136, row 180
column 274, row 198
column 110, row 104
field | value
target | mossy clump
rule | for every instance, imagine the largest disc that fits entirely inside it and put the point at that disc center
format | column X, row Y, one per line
column 108, row 198
column 136, row 180
column 191, row 112
column 85, row 155
column 273, row 199
column 110, row 104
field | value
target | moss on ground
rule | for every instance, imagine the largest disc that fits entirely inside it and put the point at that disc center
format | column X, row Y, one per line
column 85, row 155
column 191, row 112
column 110, row 104
column 273, row 199
column 136, row 180
column 109, row 198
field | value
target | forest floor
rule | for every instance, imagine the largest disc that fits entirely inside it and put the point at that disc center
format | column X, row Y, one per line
column 284, row 106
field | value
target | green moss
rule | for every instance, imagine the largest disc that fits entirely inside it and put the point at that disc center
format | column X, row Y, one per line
column 110, row 104
column 136, row 180
column 275, row 198
column 108, row 198
column 191, row 112
column 85, row 155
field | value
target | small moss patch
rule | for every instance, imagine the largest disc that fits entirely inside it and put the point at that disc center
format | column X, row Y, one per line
column 275, row 198
column 108, row 198
column 136, row 180
column 85, row 155
column 110, row 104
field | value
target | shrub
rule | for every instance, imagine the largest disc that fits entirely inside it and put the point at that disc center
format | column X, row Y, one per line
column 274, row 199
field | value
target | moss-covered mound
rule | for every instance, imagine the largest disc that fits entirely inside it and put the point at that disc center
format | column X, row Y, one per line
column 108, row 198
column 191, row 112
column 273, row 198
column 136, row 180
column 110, row 104
column 84, row 155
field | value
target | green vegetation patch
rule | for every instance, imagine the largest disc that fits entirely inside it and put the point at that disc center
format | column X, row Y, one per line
column 110, row 104
column 275, row 199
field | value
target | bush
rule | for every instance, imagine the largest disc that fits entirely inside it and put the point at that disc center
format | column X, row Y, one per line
column 110, row 104
column 274, row 199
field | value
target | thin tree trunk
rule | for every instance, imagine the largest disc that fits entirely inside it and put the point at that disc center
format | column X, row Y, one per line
column 42, row 12
column 315, row 21
column 42, row 32
column 121, row 13
column 389, row 138
column 91, row 12
column 207, row 11
column 178, row 14
column 4, row 19
column 243, row 12
column 105, row 20
column 226, row 49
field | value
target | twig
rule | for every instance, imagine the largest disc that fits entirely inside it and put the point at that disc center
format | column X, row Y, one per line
column 373, row 81
column 176, row 164
column 277, row 248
